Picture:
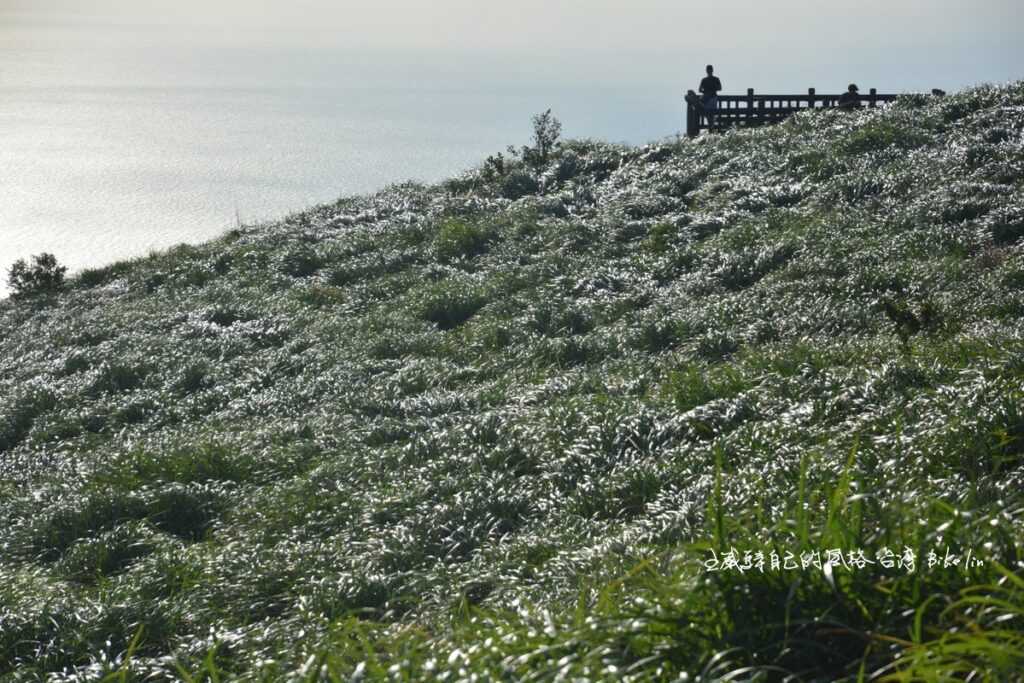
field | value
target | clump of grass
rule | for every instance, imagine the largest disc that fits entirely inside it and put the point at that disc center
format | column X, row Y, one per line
column 95, row 277
column 660, row 236
column 658, row 335
column 449, row 305
column 693, row 386
column 118, row 377
column 197, row 464
column 321, row 297
column 518, row 184
column 882, row 134
column 17, row 419
column 459, row 238
column 301, row 261
column 1007, row 226
column 110, row 552
column 984, row 639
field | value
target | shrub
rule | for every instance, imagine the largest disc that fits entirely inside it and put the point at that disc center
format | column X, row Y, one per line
column 716, row 345
column 449, row 306
column 519, row 184
column 695, row 385
column 657, row 335
column 114, row 378
column 568, row 167
column 912, row 101
column 546, row 131
column 16, row 422
column 321, row 297
column 301, row 262
column 880, row 134
column 660, row 236
column 494, row 167
column 45, row 275
column 94, row 277
column 464, row 184
column 1007, row 226
column 109, row 552
column 182, row 510
column 458, row 239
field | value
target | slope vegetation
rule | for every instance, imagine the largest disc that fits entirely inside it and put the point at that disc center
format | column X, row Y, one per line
column 547, row 421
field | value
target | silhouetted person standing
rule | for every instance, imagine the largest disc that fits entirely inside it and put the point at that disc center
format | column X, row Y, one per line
column 709, row 89
column 850, row 99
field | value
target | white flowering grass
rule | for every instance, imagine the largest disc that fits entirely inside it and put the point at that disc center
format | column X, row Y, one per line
column 492, row 429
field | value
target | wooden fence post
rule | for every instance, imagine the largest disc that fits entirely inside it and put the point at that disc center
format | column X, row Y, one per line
column 874, row 98
column 810, row 98
column 692, row 121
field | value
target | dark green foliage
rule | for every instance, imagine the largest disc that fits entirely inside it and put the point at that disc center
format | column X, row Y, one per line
column 879, row 135
column 117, row 378
column 1007, row 226
column 458, row 238
column 546, row 131
column 17, row 417
column 659, row 335
column 43, row 276
column 108, row 552
column 301, row 261
column 321, row 297
column 568, row 166
column 449, row 305
column 222, row 264
column 716, row 345
column 694, row 385
column 494, row 167
column 660, row 236
column 185, row 511
column 94, row 277
column 907, row 323
column 518, row 184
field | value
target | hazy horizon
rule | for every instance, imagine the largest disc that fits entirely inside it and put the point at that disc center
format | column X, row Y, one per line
column 891, row 45
column 158, row 122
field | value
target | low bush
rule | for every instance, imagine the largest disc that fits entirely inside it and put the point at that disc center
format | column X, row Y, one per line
column 301, row 261
column 459, row 238
column 43, row 276
column 518, row 184
column 449, row 305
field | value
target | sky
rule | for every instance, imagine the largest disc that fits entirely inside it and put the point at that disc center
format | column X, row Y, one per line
column 127, row 125
column 894, row 45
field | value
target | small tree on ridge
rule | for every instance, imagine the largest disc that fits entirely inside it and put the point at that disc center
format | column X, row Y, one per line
column 44, row 275
column 546, row 131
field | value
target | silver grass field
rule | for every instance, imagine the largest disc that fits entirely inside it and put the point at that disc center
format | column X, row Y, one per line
column 503, row 427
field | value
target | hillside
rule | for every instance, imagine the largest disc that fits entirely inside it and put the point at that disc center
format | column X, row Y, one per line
column 502, row 427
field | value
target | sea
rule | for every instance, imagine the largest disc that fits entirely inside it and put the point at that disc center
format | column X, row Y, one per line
column 111, row 153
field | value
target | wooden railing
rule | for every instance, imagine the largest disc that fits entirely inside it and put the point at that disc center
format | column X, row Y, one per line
column 758, row 110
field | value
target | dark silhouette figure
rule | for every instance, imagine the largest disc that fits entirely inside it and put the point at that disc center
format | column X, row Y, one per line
column 850, row 99
column 938, row 92
column 710, row 86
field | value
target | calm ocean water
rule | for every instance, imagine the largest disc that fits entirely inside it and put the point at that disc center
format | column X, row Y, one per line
column 127, row 153
column 128, row 126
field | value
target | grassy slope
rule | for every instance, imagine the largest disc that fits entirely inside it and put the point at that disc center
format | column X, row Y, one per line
column 437, row 431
